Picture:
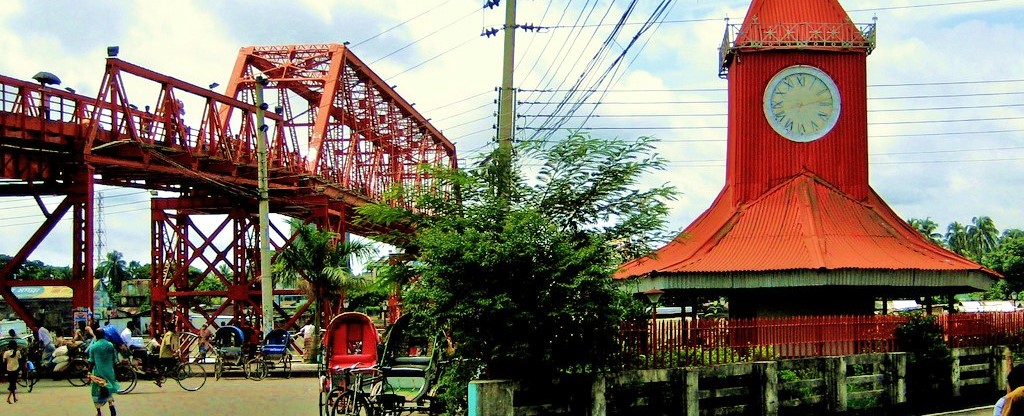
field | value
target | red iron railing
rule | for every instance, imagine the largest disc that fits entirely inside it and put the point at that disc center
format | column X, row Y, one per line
column 685, row 342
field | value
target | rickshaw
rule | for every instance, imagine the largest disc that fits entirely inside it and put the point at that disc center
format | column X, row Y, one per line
column 229, row 345
column 273, row 354
column 349, row 351
column 356, row 380
column 409, row 362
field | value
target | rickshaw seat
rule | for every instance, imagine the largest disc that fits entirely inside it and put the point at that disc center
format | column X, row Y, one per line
column 405, row 371
column 353, row 342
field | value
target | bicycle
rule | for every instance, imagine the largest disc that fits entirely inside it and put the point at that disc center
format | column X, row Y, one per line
column 189, row 376
column 366, row 391
column 76, row 371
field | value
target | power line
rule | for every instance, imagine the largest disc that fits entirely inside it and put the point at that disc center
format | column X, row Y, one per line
column 459, row 101
column 401, row 24
column 464, row 43
column 723, row 89
column 446, row 26
column 918, row 6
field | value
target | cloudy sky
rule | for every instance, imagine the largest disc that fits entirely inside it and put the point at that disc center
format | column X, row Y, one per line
column 945, row 84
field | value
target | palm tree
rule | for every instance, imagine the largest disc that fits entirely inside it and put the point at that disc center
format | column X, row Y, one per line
column 956, row 238
column 1011, row 233
column 982, row 236
column 113, row 270
column 319, row 261
column 927, row 228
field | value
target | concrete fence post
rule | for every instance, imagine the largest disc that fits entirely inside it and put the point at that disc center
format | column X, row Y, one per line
column 1002, row 361
column 491, row 397
column 955, row 376
column 766, row 375
column 599, row 402
column 691, row 379
column 896, row 377
column 835, row 383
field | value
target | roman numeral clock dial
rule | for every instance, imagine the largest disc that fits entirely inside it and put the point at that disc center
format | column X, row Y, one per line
column 801, row 103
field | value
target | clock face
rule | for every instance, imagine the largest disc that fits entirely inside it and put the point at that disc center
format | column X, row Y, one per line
column 801, row 103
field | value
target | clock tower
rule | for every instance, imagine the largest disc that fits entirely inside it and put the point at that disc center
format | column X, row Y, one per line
column 797, row 229
column 797, row 74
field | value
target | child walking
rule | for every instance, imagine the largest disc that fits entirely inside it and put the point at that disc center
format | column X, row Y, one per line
column 12, row 363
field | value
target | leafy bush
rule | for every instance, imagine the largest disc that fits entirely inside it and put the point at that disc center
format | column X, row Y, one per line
column 929, row 365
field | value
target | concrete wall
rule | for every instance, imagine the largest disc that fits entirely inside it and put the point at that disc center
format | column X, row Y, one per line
column 825, row 385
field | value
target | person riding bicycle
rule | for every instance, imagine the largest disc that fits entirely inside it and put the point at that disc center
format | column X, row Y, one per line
column 169, row 346
column 132, row 348
column 45, row 340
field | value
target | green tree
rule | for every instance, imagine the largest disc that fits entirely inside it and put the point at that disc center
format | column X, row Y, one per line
column 212, row 282
column 1011, row 233
column 982, row 237
column 927, row 228
column 320, row 262
column 113, row 270
column 1008, row 259
column 956, row 238
column 520, row 278
column 138, row 270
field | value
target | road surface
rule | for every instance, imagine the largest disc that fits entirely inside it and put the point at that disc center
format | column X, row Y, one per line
column 227, row 396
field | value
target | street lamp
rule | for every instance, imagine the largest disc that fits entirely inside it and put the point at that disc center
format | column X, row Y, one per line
column 653, row 296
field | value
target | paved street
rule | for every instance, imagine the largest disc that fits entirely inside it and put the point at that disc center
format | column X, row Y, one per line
column 227, row 396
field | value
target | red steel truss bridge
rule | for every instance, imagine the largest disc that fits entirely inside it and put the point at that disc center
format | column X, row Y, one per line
column 338, row 136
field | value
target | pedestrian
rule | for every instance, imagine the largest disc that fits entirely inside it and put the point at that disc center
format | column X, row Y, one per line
column 12, row 361
column 1014, row 381
column 205, row 342
column 103, row 355
column 306, row 333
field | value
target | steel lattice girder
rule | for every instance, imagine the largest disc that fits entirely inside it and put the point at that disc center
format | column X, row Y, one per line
column 360, row 133
column 185, row 252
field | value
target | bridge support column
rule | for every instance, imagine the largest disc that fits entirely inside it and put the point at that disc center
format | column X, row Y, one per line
column 82, row 267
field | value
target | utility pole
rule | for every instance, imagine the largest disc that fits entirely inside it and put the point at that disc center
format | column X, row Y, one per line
column 266, row 280
column 100, row 231
column 506, row 100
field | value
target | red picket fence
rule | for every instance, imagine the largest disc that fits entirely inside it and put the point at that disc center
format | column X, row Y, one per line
column 679, row 342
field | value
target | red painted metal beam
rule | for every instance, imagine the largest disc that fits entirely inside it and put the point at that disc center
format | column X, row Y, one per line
column 359, row 137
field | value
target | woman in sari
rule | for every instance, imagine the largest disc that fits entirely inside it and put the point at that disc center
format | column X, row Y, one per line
column 103, row 355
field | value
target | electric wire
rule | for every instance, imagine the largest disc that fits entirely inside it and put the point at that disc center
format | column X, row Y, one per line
column 401, row 24
column 464, row 43
column 574, row 35
column 461, row 100
column 621, row 70
column 446, row 26
column 591, row 65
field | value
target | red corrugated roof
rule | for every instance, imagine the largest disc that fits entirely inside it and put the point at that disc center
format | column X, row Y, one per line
column 767, row 12
column 802, row 224
column 805, row 23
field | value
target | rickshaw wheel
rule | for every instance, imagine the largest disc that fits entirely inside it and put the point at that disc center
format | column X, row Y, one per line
column 287, row 366
column 326, row 404
column 78, row 372
column 218, row 368
column 126, row 377
column 28, row 378
column 255, row 369
column 348, row 404
column 190, row 376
